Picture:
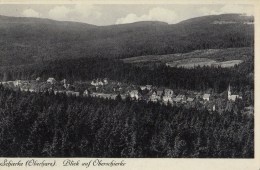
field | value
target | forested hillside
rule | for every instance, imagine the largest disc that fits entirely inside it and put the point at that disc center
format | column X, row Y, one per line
column 30, row 40
column 199, row 78
column 59, row 126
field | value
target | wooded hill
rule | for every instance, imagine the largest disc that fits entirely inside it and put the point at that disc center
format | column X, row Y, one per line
column 29, row 40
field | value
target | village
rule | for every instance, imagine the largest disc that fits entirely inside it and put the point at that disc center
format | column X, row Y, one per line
column 109, row 89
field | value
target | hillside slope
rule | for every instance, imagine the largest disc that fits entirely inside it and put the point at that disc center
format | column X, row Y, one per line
column 219, row 55
column 30, row 40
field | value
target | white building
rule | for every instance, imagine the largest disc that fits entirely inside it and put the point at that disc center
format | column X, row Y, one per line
column 51, row 80
column 105, row 81
column 232, row 97
column 142, row 87
column 134, row 94
column 180, row 98
column 86, row 93
column 17, row 83
column 206, row 97
column 167, row 99
column 149, row 87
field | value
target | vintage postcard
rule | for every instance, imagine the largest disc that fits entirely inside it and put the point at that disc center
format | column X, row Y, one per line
column 129, row 84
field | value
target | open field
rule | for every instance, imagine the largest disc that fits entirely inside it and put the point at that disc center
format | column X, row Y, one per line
column 194, row 62
column 223, row 57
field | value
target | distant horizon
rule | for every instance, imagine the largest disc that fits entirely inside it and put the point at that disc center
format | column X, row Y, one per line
column 107, row 14
column 126, row 23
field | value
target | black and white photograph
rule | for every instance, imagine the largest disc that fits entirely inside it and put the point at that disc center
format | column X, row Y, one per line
column 80, row 80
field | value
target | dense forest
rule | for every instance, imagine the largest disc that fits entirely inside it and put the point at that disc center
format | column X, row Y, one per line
column 200, row 78
column 45, row 124
column 29, row 40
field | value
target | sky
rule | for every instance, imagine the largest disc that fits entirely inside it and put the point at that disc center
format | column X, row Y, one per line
column 110, row 14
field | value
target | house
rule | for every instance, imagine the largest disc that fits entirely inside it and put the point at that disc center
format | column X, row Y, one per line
column 156, row 96
column 69, row 93
column 149, row 87
column 206, row 97
column 167, row 99
column 142, row 87
column 146, row 87
column 159, row 92
column 38, row 79
column 123, row 96
column 75, row 94
column 17, row 83
column 249, row 110
column 180, row 98
column 190, row 99
column 64, row 82
column 105, row 81
column 72, row 93
column 135, row 94
column 232, row 97
column 99, row 82
column 104, row 95
column 31, row 90
column 94, row 94
column 24, row 89
column 86, row 93
column 59, row 91
column 113, row 96
column 51, row 80
column 10, row 83
column 95, row 82
column 198, row 96
column 168, row 92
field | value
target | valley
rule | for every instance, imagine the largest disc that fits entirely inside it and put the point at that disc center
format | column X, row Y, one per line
column 146, row 89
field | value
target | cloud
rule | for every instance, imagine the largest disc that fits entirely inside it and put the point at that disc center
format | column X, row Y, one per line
column 59, row 12
column 229, row 8
column 30, row 13
column 248, row 10
column 154, row 14
column 78, row 12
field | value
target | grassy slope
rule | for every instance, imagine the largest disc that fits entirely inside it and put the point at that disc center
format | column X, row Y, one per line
column 209, row 55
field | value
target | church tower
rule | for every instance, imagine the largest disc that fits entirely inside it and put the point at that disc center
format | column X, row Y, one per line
column 229, row 92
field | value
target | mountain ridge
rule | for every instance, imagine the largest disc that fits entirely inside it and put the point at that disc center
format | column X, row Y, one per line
column 24, row 42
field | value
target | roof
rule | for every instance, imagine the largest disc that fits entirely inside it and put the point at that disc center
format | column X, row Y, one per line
column 190, row 99
column 168, row 90
column 159, row 92
column 86, row 91
column 206, row 95
column 180, row 96
column 150, row 93
column 134, row 91
column 177, row 99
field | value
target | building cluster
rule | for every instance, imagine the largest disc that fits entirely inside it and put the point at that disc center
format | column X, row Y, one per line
column 104, row 88
column 99, row 82
column 167, row 96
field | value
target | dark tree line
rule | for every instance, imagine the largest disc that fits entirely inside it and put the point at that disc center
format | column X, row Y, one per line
column 199, row 78
column 37, row 125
